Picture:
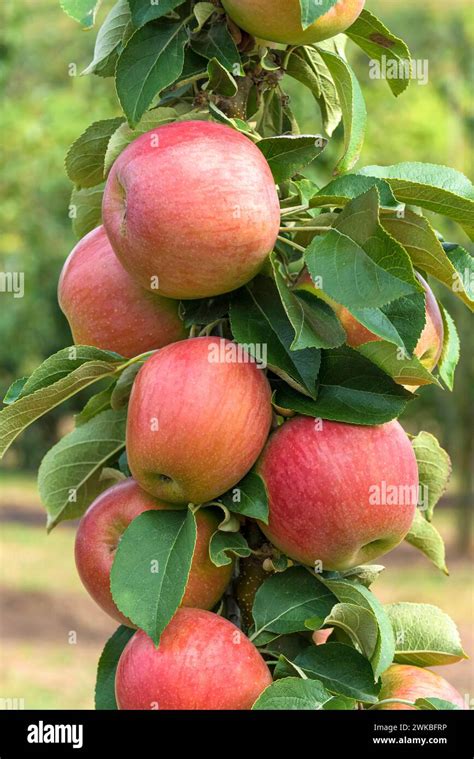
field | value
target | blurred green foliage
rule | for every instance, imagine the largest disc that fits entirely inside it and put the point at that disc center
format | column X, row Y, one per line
column 48, row 104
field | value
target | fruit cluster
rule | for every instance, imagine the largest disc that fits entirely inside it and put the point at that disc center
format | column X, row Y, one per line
column 200, row 414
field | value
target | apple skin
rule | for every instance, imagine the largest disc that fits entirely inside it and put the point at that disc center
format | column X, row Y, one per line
column 409, row 683
column 318, row 483
column 99, row 533
column 195, row 427
column 202, row 662
column 107, row 309
column 192, row 206
column 280, row 20
column 430, row 343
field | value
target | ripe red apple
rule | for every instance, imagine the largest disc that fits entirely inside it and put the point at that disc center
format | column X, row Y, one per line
column 103, row 525
column 191, row 209
column 106, row 308
column 199, row 416
column 430, row 343
column 338, row 493
column 202, row 662
column 409, row 683
column 280, row 20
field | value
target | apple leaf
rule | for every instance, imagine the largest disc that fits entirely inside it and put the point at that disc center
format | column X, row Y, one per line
column 58, row 378
column 220, row 79
column 152, row 59
column 83, row 11
column 292, row 693
column 307, row 67
column 110, row 36
column 434, row 470
column 311, row 10
column 144, row 11
column 286, row 600
column 248, row 498
column 394, row 362
column 124, row 135
column 425, row 537
column 85, row 209
column 341, row 669
column 373, row 37
column 419, row 240
column 151, row 568
column 107, row 667
column 350, row 186
column 451, row 352
column 203, row 12
column 364, row 574
column 359, row 623
column 440, row 189
column 353, row 593
column 14, row 391
column 424, row 635
column 257, row 317
column 430, row 703
column 85, row 158
column 224, row 543
column 69, row 477
column 287, row 155
column 351, row 389
column 95, row 405
column 463, row 281
column 354, row 112
column 217, row 42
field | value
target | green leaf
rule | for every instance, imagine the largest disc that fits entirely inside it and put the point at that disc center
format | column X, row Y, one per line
column 257, row 317
column 463, row 281
column 373, row 37
column 394, row 362
column 341, row 190
column 419, row 239
column 287, row 155
column 151, row 568
column 15, row 390
column 311, row 10
column 248, row 498
column 217, row 42
column 144, row 11
column 350, row 389
column 123, row 387
column 224, row 543
column 436, row 188
column 123, row 136
column 203, row 12
column 341, row 669
column 424, row 635
column 358, row 623
column 424, row 536
column 285, row 601
column 220, row 79
column 355, row 594
column 354, row 112
column 292, row 693
column 82, row 11
column 434, row 470
column 107, row 667
column 110, row 36
column 85, row 209
column 58, row 378
column 69, row 475
column 95, row 405
column 451, row 352
column 307, row 67
column 435, row 704
column 85, row 158
column 152, row 60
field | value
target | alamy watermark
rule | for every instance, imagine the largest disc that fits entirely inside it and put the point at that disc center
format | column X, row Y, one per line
column 394, row 68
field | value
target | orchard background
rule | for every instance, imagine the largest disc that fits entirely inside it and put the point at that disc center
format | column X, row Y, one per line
column 46, row 110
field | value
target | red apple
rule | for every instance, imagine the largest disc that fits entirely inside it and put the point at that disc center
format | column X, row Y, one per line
column 280, row 20
column 430, row 343
column 202, row 662
column 99, row 534
column 199, row 416
column 191, row 209
column 106, row 308
column 409, row 683
column 338, row 493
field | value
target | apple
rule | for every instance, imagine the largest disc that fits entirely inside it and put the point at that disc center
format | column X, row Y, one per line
column 191, row 209
column 409, row 683
column 430, row 343
column 202, row 662
column 101, row 529
column 106, row 308
column 280, row 20
column 339, row 494
column 199, row 415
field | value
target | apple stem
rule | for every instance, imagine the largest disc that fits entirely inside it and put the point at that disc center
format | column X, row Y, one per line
column 292, row 244
column 305, row 229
